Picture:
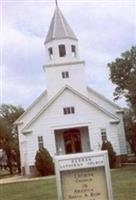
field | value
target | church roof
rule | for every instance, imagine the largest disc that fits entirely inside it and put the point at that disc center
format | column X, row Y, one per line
column 44, row 94
column 59, row 28
column 99, row 95
column 112, row 116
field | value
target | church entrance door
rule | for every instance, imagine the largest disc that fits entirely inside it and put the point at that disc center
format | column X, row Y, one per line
column 72, row 141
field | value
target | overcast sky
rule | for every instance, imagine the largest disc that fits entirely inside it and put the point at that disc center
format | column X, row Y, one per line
column 105, row 29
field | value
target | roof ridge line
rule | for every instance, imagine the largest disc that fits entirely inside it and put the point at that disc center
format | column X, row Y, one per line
column 55, row 19
column 31, row 106
column 105, row 98
column 44, row 107
column 62, row 21
column 75, row 92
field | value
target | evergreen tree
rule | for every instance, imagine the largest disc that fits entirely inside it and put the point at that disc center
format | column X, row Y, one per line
column 44, row 163
column 106, row 145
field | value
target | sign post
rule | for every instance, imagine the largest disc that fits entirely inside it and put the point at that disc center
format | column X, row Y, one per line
column 84, row 176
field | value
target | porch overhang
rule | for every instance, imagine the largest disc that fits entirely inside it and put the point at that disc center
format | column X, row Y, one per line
column 69, row 126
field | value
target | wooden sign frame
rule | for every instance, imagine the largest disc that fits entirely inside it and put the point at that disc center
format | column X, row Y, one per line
column 80, row 161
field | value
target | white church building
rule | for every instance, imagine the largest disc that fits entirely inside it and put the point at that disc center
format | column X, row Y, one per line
column 69, row 116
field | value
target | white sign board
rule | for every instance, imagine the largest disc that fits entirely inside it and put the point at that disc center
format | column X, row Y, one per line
column 84, row 176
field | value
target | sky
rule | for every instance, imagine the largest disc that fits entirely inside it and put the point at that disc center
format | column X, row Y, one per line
column 105, row 29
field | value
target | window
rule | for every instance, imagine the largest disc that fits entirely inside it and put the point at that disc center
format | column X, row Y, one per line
column 73, row 49
column 40, row 142
column 32, row 169
column 50, row 50
column 103, row 134
column 68, row 110
column 65, row 74
column 62, row 50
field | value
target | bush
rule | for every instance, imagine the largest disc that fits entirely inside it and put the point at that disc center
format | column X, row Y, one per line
column 106, row 145
column 44, row 163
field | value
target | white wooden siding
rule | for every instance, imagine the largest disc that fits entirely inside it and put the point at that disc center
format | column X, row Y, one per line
column 84, row 113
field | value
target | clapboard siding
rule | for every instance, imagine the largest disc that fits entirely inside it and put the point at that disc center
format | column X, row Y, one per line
column 54, row 117
column 113, row 109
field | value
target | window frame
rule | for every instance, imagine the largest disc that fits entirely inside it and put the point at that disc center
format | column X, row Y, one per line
column 62, row 50
column 69, row 110
column 65, row 74
column 40, row 142
column 50, row 52
column 103, row 134
column 73, row 50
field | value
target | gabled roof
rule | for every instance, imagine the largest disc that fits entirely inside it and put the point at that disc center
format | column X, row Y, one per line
column 59, row 28
column 76, row 93
column 18, row 121
column 104, row 98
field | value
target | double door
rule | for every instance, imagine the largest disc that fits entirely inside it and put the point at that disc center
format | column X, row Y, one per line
column 72, row 141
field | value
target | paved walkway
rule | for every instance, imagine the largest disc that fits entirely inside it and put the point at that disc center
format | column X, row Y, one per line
column 16, row 178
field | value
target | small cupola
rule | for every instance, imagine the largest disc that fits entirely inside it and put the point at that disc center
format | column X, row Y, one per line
column 61, row 43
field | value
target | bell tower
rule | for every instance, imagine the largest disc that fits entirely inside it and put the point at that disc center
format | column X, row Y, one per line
column 63, row 65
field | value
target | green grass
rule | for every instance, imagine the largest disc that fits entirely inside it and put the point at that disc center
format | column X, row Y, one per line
column 123, row 182
column 4, row 174
column 33, row 190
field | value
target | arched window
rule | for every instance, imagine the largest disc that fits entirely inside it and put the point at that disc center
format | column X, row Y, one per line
column 103, row 134
column 73, row 50
column 50, row 51
column 62, row 50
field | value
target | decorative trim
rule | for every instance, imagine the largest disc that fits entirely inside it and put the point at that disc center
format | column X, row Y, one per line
column 103, row 97
column 76, row 93
column 62, row 38
column 64, row 64
column 69, row 126
column 18, row 122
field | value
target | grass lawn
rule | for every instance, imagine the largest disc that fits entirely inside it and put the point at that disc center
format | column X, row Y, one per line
column 123, row 182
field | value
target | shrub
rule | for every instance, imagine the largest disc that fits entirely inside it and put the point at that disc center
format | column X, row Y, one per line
column 44, row 163
column 106, row 145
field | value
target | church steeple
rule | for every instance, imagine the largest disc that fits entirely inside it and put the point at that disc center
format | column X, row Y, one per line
column 63, row 65
column 61, row 44
column 56, row 1
column 59, row 28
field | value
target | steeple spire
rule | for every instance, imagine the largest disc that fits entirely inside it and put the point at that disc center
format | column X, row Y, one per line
column 56, row 1
column 59, row 28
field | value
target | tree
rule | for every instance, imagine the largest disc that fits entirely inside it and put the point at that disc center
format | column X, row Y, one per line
column 123, row 74
column 130, row 128
column 9, row 133
column 106, row 145
column 6, row 141
column 44, row 163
